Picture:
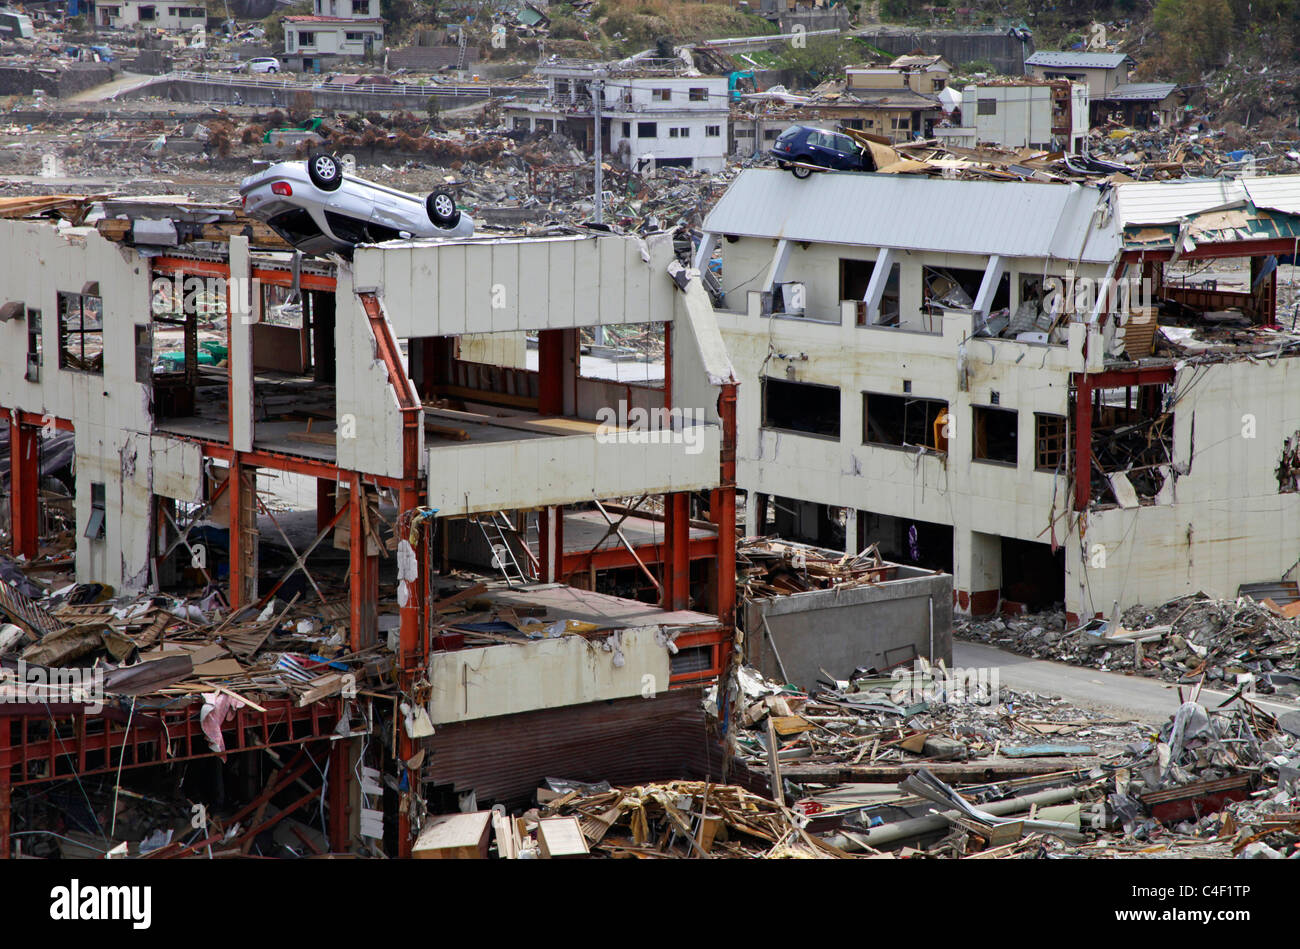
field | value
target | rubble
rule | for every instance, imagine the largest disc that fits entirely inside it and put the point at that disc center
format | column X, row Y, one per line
column 1232, row 644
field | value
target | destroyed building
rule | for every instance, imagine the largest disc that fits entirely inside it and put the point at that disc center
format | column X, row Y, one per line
column 653, row 110
column 214, row 388
column 1032, row 385
column 1048, row 115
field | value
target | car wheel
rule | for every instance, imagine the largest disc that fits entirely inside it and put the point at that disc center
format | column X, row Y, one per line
column 325, row 172
column 801, row 170
column 271, row 69
column 442, row 209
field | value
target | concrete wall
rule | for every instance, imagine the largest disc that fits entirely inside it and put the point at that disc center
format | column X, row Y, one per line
column 506, row 679
column 110, row 411
column 1221, row 524
column 877, row 625
column 1006, row 53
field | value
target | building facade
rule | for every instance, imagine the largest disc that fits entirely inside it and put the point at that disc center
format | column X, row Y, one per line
column 962, row 376
column 651, row 110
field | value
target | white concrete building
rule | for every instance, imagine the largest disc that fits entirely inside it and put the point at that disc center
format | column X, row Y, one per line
column 650, row 109
column 334, row 28
column 1049, row 116
column 138, row 14
column 947, row 367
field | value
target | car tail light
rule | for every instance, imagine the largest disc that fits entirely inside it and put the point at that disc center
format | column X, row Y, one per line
column 282, row 188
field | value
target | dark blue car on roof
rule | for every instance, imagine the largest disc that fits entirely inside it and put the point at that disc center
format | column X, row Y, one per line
column 801, row 146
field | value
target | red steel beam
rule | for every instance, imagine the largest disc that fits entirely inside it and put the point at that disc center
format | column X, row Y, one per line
column 550, row 372
column 169, row 266
column 24, row 489
column 616, row 558
column 40, row 421
column 1261, row 248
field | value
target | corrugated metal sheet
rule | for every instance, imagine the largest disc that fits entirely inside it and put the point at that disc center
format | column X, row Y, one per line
column 1162, row 202
column 1011, row 218
column 505, row 759
column 1275, row 192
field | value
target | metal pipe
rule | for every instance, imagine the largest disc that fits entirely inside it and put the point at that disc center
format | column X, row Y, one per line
column 920, row 826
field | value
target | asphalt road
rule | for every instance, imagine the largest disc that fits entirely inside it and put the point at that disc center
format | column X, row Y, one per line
column 1111, row 693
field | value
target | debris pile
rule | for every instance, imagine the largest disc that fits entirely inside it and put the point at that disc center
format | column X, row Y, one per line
column 683, row 819
column 1234, row 644
column 766, row 566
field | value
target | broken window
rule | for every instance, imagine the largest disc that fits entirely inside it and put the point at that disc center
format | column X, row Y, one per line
column 663, row 95
column 699, row 95
column 627, row 129
column 988, row 107
column 81, row 333
column 904, row 421
column 1132, row 441
column 95, row 526
column 306, row 38
column 34, row 356
column 712, row 131
column 801, row 407
column 1049, row 441
column 994, row 434
column 647, row 129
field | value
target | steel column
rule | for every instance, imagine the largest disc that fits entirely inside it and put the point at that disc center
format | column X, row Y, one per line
column 24, row 489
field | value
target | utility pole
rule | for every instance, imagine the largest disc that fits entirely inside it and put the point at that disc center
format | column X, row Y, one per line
column 598, row 95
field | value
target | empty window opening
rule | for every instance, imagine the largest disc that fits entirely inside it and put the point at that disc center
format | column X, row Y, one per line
column 81, row 333
column 855, row 278
column 34, row 346
column 1132, row 437
column 956, row 288
column 647, row 129
column 907, row 540
column 994, row 434
column 904, row 421
column 95, row 527
column 801, row 407
column 1049, row 441
column 1032, row 575
column 808, row 522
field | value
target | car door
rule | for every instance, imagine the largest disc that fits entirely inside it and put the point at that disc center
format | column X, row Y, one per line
column 817, row 148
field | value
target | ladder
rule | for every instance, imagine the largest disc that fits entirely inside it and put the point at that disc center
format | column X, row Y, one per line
column 496, row 531
column 460, row 58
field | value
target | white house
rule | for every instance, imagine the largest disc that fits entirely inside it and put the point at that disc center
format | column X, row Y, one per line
column 650, row 109
column 334, row 28
column 1047, row 115
column 128, row 14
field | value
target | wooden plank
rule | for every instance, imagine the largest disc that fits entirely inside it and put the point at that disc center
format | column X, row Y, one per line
column 455, row 837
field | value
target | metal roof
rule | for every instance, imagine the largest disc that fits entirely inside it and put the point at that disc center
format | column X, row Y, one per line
column 1274, row 192
column 1162, row 202
column 1130, row 91
column 1011, row 218
column 1076, row 60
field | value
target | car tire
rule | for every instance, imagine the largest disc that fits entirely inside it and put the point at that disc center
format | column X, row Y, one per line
column 801, row 170
column 442, row 210
column 271, row 69
column 325, row 171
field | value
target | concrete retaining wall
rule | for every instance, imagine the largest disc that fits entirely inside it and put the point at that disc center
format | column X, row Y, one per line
column 877, row 625
column 1006, row 53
